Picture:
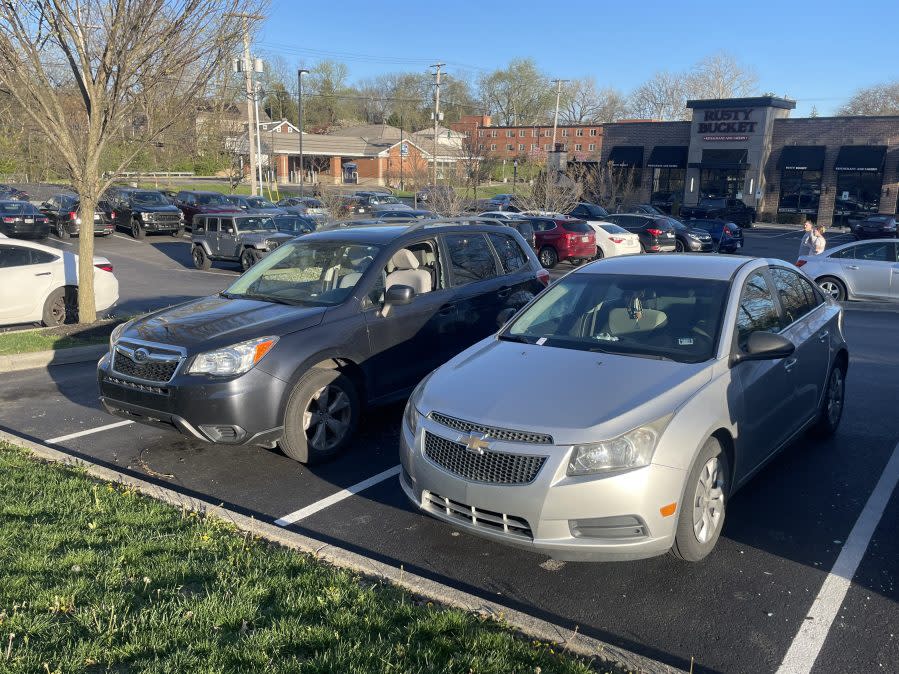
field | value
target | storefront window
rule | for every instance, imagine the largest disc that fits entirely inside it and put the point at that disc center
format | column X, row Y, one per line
column 721, row 182
column 800, row 191
column 858, row 193
column 667, row 187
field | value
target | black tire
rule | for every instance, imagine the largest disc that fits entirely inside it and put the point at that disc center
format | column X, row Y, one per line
column 549, row 258
column 62, row 232
column 678, row 246
column 60, row 307
column 688, row 545
column 832, row 286
column 248, row 258
column 832, row 403
column 200, row 258
column 576, row 262
column 642, row 248
column 296, row 442
column 599, row 254
column 136, row 230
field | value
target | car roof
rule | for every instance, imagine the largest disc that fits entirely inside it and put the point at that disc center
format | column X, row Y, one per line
column 36, row 246
column 843, row 246
column 713, row 267
column 382, row 234
column 205, row 192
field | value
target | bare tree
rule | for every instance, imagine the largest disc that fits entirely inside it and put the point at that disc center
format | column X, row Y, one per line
column 584, row 103
column 610, row 185
column 662, row 97
column 881, row 99
column 550, row 192
column 519, row 94
column 720, row 75
column 79, row 69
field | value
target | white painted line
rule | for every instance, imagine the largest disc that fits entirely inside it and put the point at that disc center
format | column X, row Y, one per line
column 89, row 431
column 201, row 271
column 807, row 644
column 127, row 238
column 303, row 513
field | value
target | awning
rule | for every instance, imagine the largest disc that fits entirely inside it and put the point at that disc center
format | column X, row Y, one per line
column 861, row 158
column 668, row 156
column 724, row 159
column 802, row 158
column 626, row 156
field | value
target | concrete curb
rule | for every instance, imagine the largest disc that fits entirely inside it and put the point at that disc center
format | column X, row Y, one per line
column 569, row 640
column 28, row 361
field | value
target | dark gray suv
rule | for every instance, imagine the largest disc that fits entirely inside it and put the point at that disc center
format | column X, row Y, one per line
column 323, row 326
column 235, row 238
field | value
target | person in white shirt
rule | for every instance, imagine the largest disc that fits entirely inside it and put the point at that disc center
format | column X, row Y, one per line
column 819, row 243
column 805, row 245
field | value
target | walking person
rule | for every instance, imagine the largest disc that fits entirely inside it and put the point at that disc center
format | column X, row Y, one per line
column 819, row 243
column 805, row 245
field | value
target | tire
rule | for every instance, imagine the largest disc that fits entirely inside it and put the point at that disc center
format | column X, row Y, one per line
column 703, row 506
column 833, row 286
column 200, row 258
column 549, row 258
column 136, row 230
column 62, row 232
column 248, row 258
column 832, row 403
column 307, row 440
column 678, row 246
column 599, row 254
column 61, row 306
column 642, row 248
column 576, row 262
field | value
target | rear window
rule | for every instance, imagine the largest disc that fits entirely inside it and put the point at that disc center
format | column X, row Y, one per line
column 613, row 229
column 313, row 203
column 578, row 226
column 13, row 207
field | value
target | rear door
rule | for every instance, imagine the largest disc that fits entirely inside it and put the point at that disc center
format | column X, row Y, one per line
column 28, row 277
column 870, row 272
column 519, row 283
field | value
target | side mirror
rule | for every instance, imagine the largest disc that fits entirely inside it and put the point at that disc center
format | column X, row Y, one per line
column 764, row 346
column 399, row 294
column 229, row 231
column 505, row 316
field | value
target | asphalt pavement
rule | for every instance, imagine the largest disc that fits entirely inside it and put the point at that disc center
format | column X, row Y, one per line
column 740, row 610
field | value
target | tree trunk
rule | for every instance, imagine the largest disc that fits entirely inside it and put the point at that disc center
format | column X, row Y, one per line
column 87, row 306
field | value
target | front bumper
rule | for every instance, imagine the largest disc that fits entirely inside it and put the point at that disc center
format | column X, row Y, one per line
column 541, row 516
column 243, row 410
column 162, row 225
column 696, row 246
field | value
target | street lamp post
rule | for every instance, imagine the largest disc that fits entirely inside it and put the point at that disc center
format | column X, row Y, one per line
column 514, row 174
column 300, row 74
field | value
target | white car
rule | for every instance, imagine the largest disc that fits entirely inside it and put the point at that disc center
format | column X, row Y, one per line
column 613, row 240
column 862, row 270
column 40, row 283
column 500, row 215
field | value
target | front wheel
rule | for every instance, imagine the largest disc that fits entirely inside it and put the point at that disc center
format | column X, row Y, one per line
column 702, row 510
column 832, row 405
column 137, row 231
column 678, row 246
column 200, row 258
column 549, row 258
column 248, row 258
column 833, row 287
column 321, row 416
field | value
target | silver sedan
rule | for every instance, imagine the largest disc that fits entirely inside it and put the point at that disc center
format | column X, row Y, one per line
column 856, row 271
column 614, row 416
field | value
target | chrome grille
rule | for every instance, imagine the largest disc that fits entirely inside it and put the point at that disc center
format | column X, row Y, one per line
column 495, row 433
column 164, row 218
column 488, row 467
column 510, row 525
column 145, row 362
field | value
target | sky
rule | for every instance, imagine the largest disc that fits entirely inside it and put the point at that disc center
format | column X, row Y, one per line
column 817, row 53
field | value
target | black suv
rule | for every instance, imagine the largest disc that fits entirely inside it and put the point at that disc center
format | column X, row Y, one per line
column 323, row 326
column 65, row 221
column 656, row 232
column 720, row 208
column 143, row 211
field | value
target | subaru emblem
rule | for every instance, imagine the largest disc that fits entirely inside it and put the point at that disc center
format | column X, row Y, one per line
column 141, row 355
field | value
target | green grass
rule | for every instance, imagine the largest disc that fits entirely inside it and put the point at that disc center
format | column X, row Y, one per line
column 29, row 341
column 95, row 577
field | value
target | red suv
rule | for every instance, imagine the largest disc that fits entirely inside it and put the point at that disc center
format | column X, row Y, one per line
column 560, row 239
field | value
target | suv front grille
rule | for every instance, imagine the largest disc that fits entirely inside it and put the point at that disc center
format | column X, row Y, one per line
column 495, row 433
column 489, row 467
column 510, row 525
column 145, row 362
column 164, row 218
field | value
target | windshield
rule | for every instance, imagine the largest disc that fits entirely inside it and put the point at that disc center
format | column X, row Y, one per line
column 254, row 224
column 718, row 203
column 707, row 225
column 614, row 229
column 316, row 273
column 649, row 316
column 150, row 198
column 312, row 203
column 211, row 200
column 258, row 202
column 292, row 224
column 385, row 199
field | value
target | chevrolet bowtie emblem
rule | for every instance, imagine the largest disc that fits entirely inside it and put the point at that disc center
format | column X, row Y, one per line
column 477, row 443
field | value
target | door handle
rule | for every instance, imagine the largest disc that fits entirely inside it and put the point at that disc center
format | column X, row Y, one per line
column 851, row 266
column 790, row 364
column 447, row 310
column 824, row 335
column 44, row 273
column 504, row 292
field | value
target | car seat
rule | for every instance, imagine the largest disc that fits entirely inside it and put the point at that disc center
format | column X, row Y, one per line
column 406, row 272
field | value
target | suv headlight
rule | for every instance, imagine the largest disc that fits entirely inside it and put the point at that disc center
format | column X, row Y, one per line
column 232, row 360
column 146, row 216
column 630, row 450
column 411, row 413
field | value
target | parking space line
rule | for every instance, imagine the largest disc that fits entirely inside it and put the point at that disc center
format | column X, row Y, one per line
column 303, row 513
column 89, row 431
column 201, row 271
column 807, row 643
column 126, row 238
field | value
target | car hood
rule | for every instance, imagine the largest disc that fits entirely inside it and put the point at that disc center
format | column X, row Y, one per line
column 219, row 208
column 214, row 321
column 154, row 208
column 575, row 396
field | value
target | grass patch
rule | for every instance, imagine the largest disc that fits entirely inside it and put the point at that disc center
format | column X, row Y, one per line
column 53, row 339
column 96, row 577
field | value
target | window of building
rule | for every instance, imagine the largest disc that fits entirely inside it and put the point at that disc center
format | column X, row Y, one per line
column 510, row 147
column 493, row 134
column 800, row 191
column 578, row 147
column 481, row 133
column 858, row 193
column 522, row 133
column 510, row 134
column 593, row 132
column 535, row 133
column 591, row 147
column 547, row 133
column 534, row 146
column 565, row 147
column 668, row 185
column 521, row 147
column 579, row 132
column 493, row 147
column 480, row 146
column 718, row 182
column 547, row 147
column 564, row 132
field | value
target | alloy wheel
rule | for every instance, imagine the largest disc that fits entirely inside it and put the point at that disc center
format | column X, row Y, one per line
column 835, row 392
column 327, row 417
column 708, row 501
column 678, row 247
column 831, row 288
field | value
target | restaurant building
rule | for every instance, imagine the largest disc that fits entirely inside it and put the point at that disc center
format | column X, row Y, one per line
column 826, row 168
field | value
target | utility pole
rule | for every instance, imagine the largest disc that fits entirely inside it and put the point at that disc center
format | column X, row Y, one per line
column 438, row 66
column 248, row 67
column 258, row 138
column 402, row 143
column 558, row 84
column 300, row 73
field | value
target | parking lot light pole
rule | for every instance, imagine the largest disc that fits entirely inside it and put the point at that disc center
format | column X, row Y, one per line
column 300, row 74
column 514, row 174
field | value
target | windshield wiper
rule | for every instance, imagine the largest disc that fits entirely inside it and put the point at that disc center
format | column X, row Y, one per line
column 262, row 298
column 637, row 354
column 521, row 339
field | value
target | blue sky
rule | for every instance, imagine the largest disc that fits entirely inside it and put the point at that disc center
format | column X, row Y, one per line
column 815, row 52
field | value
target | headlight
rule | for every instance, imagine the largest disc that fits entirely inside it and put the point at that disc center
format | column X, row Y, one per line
column 146, row 216
column 117, row 332
column 181, row 216
column 631, row 450
column 410, row 414
column 232, row 360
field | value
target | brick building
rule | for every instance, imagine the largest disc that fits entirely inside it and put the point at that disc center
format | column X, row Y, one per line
column 829, row 168
column 581, row 141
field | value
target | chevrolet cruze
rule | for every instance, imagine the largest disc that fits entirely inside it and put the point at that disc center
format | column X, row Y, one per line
column 615, row 415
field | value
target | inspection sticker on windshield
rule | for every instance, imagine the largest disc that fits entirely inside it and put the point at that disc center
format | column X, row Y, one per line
column 685, row 341
column 541, row 341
